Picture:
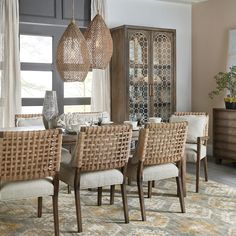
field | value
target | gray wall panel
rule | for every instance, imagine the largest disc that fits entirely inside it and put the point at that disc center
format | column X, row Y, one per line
column 80, row 13
column 56, row 12
column 42, row 8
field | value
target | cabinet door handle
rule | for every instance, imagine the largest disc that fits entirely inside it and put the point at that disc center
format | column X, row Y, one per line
column 150, row 90
column 152, row 94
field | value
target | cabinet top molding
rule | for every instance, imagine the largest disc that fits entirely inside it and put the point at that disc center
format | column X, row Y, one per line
column 138, row 27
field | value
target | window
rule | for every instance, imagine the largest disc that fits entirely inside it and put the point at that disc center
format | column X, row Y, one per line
column 36, row 49
column 39, row 73
column 78, row 89
column 35, row 83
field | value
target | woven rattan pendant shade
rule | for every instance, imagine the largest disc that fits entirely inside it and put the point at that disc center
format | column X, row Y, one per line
column 99, row 42
column 72, row 56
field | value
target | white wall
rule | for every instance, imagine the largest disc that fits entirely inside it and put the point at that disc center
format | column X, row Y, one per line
column 162, row 15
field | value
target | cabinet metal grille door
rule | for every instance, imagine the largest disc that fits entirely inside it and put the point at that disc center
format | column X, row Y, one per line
column 162, row 74
column 138, row 75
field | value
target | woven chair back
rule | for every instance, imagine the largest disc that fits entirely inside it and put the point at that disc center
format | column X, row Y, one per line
column 26, row 155
column 102, row 148
column 161, row 143
column 19, row 116
column 205, row 132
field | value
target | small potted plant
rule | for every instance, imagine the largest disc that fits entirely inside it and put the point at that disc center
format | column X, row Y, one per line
column 226, row 80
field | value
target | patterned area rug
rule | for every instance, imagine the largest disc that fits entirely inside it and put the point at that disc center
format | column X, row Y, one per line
column 210, row 212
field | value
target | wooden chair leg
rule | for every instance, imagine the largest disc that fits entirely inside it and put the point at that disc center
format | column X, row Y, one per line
column 197, row 175
column 99, row 196
column 55, row 205
column 55, row 214
column 78, row 210
column 129, row 181
column 183, row 174
column 68, row 189
column 141, row 199
column 40, row 206
column 112, row 194
column 153, row 183
column 205, row 169
column 125, row 205
column 150, row 183
column 180, row 193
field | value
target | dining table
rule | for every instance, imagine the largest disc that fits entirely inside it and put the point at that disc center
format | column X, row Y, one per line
column 70, row 139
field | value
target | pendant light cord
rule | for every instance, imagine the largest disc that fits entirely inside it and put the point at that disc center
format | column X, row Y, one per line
column 73, row 10
column 97, row 7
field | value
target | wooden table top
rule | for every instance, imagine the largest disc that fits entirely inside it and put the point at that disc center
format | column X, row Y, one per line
column 23, row 128
column 66, row 138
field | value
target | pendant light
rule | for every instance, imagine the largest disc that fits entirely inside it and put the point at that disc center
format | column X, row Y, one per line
column 99, row 43
column 72, row 57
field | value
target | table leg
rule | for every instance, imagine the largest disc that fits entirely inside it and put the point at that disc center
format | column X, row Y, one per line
column 183, row 174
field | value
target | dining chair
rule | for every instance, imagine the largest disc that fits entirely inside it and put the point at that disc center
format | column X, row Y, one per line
column 197, row 136
column 158, row 156
column 29, row 165
column 28, row 120
column 99, row 159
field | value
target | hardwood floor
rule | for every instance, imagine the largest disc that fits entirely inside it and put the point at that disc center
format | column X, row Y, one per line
column 223, row 173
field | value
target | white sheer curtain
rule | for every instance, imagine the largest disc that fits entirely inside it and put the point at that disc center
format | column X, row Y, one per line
column 10, row 92
column 101, row 98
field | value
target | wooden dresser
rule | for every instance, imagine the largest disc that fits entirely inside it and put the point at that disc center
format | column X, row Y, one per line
column 224, row 134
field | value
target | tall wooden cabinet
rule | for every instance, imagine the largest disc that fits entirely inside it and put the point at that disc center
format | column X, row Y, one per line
column 224, row 134
column 142, row 73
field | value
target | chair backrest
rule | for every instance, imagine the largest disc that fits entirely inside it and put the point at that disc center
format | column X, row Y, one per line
column 161, row 143
column 28, row 119
column 102, row 147
column 196, row 114
column 28, row 155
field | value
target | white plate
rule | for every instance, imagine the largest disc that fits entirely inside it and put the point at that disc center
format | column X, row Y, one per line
column 107, row 122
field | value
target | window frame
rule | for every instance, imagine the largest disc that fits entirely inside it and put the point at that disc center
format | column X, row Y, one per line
column 55, row 32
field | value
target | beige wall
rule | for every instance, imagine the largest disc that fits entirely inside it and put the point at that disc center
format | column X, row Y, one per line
column 211, row 22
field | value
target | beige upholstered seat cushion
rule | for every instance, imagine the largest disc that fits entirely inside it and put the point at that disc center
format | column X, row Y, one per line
column 65, row 156
column 196, row 125
column 90, row 179
column 26, row 189
column 156, row 172
column 191, row 152
column 87, row 179
column 34, row 121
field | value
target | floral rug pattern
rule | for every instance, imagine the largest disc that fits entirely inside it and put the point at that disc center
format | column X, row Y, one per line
column 211, row 212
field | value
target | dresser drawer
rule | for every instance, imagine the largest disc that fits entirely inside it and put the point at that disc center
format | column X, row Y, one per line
column 224, row 137
column 228, row 115
column 224, row 154
column 219, row 130
column 225, row 123
column 225, row 145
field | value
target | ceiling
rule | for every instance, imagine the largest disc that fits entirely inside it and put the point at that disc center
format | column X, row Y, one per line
column 184, row 1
